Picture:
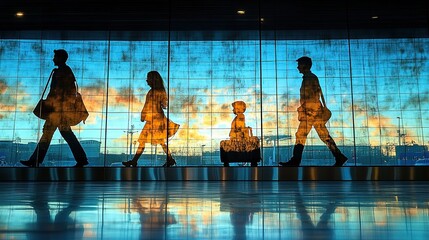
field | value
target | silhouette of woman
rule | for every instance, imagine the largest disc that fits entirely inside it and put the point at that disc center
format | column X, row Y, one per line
column 158, row 128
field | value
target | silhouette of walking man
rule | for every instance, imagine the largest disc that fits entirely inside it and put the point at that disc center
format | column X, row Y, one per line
column 62, row 93
column 311, row 110
column 323, row 228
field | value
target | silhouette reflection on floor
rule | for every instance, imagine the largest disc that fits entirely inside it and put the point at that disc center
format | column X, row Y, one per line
column 214, row 210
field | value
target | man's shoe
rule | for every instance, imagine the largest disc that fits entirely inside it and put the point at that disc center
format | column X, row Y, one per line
column 29, row 163
column 340, row 160
column 130, row 163
column 81, row 164
column 289, row 163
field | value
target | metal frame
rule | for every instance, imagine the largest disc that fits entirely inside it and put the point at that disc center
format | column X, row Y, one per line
column 216, row 174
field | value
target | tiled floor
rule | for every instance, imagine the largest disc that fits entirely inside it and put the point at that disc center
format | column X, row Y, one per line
column 214, row 210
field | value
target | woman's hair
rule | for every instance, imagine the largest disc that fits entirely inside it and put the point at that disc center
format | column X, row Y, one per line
column 157, row 83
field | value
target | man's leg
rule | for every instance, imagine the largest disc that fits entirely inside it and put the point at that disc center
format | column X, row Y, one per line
column 323, row 133
column 42, row 147
column 301, row 137
column 77, row 150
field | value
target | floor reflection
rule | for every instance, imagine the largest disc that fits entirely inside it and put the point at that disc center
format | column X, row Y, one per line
column 60, row 225
column 214, row 210
column 315, row 228
column 242, row 202
column 154, row 216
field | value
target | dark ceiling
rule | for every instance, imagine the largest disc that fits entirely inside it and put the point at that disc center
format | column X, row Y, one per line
column 212, row 15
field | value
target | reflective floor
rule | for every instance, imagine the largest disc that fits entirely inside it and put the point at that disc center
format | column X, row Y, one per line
column 215, row 210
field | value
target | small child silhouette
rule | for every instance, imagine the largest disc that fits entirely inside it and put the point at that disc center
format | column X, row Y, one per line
column 238, row 125
column 241, row 146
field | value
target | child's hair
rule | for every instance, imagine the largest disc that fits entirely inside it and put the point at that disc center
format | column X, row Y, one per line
column 158, row 83
column 239, row 105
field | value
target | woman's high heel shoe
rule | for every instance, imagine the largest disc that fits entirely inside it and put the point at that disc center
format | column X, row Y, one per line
column 130, row 163
column 170, row 162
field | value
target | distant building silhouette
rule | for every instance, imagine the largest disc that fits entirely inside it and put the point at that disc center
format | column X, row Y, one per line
column 15, row 151
column 11, row 152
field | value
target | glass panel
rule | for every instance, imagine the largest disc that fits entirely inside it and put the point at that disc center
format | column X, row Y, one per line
column 376, row 88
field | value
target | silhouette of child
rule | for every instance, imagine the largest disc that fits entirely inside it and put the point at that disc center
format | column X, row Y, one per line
column 239, row 130
column 242, row 145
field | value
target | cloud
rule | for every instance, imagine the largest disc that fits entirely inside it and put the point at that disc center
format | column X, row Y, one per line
column 95, row 98
column 124, row 96
column 188, row 104
column 417, row 100
column 9, row 96
column 3, row 86
column 378, row 129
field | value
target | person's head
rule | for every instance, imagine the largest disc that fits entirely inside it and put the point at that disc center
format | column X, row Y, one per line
column 238, row 107
column 154, row 80
column 304, row 63
column 60, row 56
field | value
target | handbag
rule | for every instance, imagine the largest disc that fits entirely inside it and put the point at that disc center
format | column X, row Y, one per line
column 43, row 107
column 325, row 114
column 78, row 113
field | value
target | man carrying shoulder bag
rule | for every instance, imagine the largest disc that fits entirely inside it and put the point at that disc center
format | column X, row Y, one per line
column 311, row 114
column 61, row 95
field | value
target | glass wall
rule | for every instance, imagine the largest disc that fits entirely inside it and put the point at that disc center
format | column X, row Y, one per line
column 376, row 88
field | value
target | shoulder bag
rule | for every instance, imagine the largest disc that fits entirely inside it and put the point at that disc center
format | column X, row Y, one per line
column 325, row 114
column 78, row 112
column 43, row 107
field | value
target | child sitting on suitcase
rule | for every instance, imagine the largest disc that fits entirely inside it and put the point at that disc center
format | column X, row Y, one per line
column 242, row 145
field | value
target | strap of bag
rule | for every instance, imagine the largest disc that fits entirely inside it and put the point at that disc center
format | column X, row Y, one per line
column 49, row 79
column 77, row 87
column 323, row 99
column 321, row 96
